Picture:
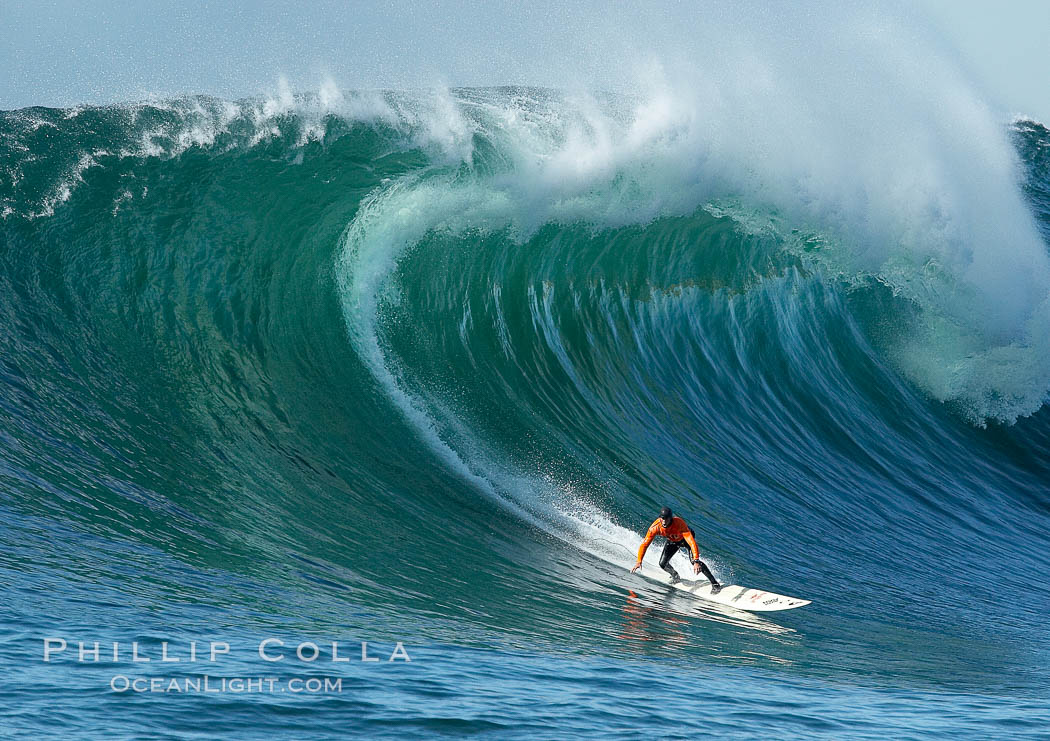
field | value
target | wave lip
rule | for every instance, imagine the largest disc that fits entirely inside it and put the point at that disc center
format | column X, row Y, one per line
column 941, row 221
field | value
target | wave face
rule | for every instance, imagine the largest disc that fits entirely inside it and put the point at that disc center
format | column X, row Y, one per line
column 425, row 365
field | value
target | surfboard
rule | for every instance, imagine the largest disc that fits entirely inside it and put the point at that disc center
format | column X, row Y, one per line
column 733, row 595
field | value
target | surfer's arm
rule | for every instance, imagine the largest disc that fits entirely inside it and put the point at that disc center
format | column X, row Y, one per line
column 698, row 565
column 645, row 546
column 688, row 535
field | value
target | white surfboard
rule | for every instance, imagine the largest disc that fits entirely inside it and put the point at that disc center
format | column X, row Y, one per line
column 733, row 595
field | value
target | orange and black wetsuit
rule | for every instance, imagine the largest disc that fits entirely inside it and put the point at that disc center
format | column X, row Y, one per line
column 678, row 536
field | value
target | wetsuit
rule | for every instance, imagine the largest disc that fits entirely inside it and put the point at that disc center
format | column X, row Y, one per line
column 679, row 536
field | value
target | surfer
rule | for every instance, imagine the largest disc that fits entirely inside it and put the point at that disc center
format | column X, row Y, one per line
column 678, row 535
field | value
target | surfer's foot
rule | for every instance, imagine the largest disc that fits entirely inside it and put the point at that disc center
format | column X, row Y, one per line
column 675, row 578
column 715, row 587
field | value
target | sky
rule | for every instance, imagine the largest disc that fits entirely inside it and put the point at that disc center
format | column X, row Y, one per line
column 1005, row 45
column 62, row 52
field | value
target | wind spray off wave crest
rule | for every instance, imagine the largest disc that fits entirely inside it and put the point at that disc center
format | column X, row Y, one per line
column 878, row 162
column 939, row 221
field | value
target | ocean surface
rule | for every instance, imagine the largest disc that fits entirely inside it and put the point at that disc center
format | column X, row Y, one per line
column 418, row 369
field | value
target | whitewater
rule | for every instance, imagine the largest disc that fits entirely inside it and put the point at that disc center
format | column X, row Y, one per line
column 418, row 367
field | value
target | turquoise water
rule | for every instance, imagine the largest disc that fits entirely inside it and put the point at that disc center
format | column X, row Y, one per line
column 421, row 368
